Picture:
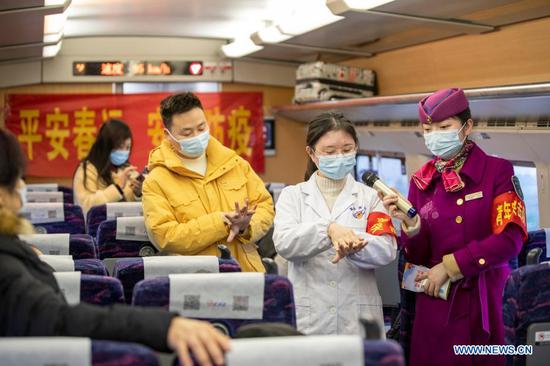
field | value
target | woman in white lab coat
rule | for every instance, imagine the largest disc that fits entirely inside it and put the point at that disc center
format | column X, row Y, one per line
column 334, row 231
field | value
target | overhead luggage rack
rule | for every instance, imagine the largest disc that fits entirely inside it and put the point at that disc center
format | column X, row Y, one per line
column 532, row 101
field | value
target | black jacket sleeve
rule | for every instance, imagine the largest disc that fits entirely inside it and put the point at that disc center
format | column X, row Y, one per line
column 28, row 307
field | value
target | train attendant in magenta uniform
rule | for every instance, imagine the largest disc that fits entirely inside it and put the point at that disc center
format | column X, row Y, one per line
column 471, row 222
column 334, row 231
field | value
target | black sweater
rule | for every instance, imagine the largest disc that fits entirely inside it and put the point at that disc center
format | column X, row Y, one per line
column 31, row 304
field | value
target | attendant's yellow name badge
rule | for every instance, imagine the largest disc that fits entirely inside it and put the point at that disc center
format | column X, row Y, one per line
column 473, row 196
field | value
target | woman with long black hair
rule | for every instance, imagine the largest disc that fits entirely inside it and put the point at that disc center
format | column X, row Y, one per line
column 106, row 175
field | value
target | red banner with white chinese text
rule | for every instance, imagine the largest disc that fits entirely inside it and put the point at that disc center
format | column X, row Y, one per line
column 56, row 131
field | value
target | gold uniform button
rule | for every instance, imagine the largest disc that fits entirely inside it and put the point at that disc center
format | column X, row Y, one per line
column 481, row 261
column 458, row 220
column 459, row 201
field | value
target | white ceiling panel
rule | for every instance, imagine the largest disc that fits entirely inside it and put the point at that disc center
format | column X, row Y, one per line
column 229, row 19
column 225, row 19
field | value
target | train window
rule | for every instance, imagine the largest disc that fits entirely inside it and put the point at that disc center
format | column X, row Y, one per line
column 361, row 166
column 390, row 170
column 133, row 88
column 527, row 174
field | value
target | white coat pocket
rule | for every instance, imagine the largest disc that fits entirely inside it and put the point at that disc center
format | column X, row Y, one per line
column 303, row 314
column 371, row 308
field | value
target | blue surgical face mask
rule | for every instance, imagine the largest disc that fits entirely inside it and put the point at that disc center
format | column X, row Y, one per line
column 119, row 157
column 194, row 146
column 444, row 144
column 336, row 166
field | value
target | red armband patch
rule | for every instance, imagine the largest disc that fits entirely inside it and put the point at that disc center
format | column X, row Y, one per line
column 508, row 208
column 379, row 223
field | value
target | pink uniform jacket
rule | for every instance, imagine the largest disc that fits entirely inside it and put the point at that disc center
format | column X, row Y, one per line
column 461, row 223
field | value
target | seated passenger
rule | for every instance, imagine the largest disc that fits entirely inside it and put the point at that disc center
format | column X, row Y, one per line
column 105, row 175
column 334, row 232
column 199, row 193
column 32, row 303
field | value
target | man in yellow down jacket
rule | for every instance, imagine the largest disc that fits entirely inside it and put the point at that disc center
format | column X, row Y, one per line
column 199, row 193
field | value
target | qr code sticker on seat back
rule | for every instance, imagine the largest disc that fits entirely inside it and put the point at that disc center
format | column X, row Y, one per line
column 240, row 303
column 191, row 302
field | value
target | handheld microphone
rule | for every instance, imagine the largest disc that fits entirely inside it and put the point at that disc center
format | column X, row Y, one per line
column 373, row 181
